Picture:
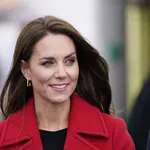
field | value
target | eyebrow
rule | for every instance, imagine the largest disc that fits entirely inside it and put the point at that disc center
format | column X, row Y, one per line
column 52, row 58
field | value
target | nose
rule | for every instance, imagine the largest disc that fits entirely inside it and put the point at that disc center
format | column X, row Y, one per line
column 60, row 71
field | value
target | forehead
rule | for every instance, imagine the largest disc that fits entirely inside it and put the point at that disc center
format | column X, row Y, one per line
column 54, row 45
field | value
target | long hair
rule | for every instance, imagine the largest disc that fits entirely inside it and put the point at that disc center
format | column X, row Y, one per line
column 93, row 83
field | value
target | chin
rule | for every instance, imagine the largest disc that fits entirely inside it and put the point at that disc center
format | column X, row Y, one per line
column 59, row 99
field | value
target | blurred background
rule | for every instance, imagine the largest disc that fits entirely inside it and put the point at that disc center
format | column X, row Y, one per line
column 119, row 29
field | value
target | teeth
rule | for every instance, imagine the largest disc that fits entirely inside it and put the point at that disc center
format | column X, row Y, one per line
column 59, row 86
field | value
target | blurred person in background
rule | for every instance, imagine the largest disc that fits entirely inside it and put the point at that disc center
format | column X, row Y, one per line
column 59, row 94
column 139, row 122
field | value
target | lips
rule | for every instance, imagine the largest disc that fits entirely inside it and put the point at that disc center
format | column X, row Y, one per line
column 59, row 86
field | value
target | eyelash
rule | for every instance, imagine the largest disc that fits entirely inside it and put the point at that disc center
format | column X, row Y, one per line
column 69, row 62
column 47, row 63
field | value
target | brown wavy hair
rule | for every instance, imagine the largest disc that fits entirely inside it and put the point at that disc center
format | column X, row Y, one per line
column 93, row 83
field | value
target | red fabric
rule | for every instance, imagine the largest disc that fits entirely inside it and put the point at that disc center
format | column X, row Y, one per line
column 88, row 129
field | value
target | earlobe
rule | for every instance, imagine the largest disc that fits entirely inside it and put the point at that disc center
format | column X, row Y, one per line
column 25, row 69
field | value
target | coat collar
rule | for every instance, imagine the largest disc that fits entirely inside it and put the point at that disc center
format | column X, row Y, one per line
column 85, row 121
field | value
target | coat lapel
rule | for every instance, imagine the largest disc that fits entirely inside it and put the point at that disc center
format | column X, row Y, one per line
column 20, row 130
column 85, row 129
column 86, row 126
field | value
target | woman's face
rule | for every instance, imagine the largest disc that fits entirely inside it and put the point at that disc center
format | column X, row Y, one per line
column 53, row 68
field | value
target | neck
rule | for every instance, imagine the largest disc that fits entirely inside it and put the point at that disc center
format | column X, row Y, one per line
column 52, row 117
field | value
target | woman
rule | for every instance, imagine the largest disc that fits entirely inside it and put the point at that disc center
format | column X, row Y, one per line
column 57, row 95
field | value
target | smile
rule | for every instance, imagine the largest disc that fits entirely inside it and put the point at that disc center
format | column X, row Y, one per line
column 58, row 86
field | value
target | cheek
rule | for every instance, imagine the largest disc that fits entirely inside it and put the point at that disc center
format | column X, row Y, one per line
column 40, row 75
column 75, row 73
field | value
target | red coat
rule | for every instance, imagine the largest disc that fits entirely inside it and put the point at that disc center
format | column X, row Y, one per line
column 88, row 129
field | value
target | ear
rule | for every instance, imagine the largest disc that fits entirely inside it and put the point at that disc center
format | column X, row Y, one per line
column 25, row 70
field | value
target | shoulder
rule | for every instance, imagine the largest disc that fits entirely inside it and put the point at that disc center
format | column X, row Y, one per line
column 113, row 122
column 2, row 126
column 117, row 129
column 2, row 123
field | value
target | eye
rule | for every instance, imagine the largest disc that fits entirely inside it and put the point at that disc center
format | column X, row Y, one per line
column 71, row 61
column 47, row 63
